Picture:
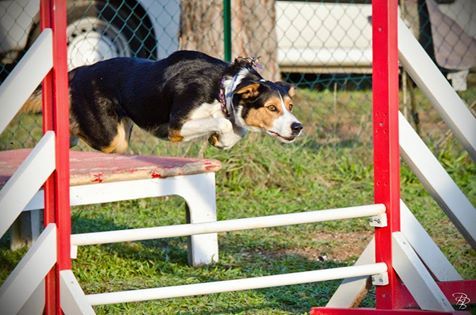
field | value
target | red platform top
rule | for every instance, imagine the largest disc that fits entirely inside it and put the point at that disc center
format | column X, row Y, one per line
column 96, row 167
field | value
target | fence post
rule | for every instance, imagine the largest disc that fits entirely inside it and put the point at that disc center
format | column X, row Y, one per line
column 227, row 29
column 56, row 118
column 386, row 147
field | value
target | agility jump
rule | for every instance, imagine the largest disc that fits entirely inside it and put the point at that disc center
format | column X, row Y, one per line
column 44, row 278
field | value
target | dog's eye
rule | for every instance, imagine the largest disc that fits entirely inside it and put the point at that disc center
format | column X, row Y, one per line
column 291, row 107
column 272, row 108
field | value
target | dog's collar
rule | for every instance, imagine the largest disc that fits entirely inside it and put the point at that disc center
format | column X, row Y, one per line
column 227, row 90
column 222, row 99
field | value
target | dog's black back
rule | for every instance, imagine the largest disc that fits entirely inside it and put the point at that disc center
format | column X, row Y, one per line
column 157, row 96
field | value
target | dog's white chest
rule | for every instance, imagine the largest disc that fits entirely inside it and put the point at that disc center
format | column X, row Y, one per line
column 207, row 110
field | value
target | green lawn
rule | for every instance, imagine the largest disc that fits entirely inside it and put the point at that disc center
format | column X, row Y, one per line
column 330, row 166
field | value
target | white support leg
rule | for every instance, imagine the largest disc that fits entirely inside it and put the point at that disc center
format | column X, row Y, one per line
column 437, row 181
column 198, row 191
column 73, row 299
column 36, row 303
column 26, row 229
column 200, row 198
column 29, row 272
column 425, row 247
column 416, row 277
column 352, row 290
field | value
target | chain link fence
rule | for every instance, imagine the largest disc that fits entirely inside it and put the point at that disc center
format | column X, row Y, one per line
column 320, row 46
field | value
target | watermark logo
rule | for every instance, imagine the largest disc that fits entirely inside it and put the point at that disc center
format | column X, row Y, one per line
column 462, row 300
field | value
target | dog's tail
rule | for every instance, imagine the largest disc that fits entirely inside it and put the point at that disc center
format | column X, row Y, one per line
column 33, row 103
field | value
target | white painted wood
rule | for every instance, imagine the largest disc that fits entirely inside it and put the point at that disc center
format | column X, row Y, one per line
column 29, row 272
column 425, row 247
column 434, row 85
column 199, row 193
column 437, row 181
column 26, row 180
column 127, row 190
column 25, row 77
column 73, row 299
column 236, row 285
column 26, row 229
column 352, row 290
column 226, row 225
column 36, row 303
column 416, row 277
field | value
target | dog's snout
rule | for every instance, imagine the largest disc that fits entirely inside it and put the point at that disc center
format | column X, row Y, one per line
column 296, row 128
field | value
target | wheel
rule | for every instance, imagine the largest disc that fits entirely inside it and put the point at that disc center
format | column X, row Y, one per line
column 99, row 30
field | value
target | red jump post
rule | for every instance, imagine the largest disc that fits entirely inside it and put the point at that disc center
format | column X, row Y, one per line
column 56, row 118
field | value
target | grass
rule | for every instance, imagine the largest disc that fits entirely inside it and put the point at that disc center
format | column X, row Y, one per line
column 330, row 166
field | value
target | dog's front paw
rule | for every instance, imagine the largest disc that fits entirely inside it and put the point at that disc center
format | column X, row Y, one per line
column 214, row 139
column 224, row 141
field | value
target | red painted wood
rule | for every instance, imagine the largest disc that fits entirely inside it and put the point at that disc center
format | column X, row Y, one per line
column 386, row 148
column 370, row 311
column 462, row 291
column 51, row 283
column 96, row 167
column 453, row 290
column 56, row 118
column 61, row 126
column 48, row 215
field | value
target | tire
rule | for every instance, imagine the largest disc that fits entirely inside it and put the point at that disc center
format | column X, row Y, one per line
column 99, row 30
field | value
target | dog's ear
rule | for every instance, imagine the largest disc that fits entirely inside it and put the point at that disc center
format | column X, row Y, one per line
column 248, row 89
column 290, row 89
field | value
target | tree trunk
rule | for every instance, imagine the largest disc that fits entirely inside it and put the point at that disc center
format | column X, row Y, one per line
column 253, row 31
column 201, row 26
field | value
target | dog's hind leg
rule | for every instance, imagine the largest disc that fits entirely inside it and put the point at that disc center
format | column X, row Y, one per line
column 119, row 142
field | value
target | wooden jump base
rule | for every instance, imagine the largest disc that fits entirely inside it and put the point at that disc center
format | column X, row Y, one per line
column 407, row 268
column 98, row 177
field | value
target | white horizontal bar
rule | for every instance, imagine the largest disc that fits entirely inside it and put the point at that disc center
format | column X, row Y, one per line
column 226, row 226
column 434, row 85
column 236, row 285
column 26, row 76
column 29, row 272
column 26, row 180
column 436, row 181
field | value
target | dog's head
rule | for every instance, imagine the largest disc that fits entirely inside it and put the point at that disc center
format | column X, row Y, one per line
column 261, row 105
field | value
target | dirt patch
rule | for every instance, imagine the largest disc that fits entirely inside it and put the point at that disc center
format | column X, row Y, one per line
column 336, row 246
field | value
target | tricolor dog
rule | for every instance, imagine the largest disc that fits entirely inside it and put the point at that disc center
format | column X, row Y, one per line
column 182, row 97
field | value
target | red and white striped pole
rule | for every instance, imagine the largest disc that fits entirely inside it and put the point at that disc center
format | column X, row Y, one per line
column 56, row 118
